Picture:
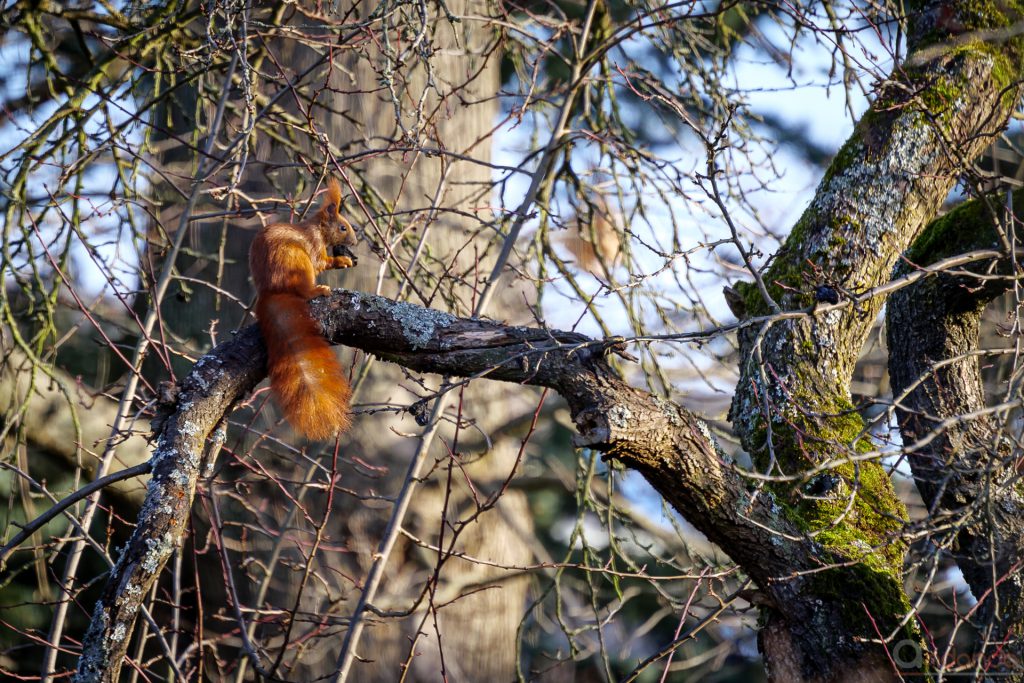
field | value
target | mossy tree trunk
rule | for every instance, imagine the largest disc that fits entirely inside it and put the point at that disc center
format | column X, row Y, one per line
column 965, row 463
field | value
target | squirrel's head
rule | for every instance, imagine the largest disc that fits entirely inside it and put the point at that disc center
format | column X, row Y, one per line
column 333, row 226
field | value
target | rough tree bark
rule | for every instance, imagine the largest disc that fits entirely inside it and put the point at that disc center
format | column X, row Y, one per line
column 964, row 464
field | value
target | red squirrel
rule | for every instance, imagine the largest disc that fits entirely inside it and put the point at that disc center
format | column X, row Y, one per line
column 305, row 376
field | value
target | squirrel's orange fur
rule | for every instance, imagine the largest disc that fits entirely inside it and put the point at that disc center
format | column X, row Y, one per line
column 305, row 376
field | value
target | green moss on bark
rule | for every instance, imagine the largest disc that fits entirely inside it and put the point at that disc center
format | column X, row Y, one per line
column 968, row 227
column 871, row 601
column 868, row 528
column 878, row 192
column 856, row 517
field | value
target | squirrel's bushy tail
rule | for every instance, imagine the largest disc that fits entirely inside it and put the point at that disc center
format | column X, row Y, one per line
column 305, row 376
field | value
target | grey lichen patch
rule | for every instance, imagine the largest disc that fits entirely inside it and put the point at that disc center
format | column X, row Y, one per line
column 95, row 647
column 188, row 428
column 620, row 417
column 199, row 379
column 830, row 319
column 119, row 633
column 163, row 452
column 158, row 551
column 161, row 494
column 206, row 371
column 868, row 193
column 193, row 458
column 179, row 477
column 156, row 498
column 705, row 432
column 670, row 410
column 132, row 593
column 208, row 360
column 419, row 325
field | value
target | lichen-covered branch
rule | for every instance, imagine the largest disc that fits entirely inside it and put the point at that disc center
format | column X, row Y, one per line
column 965, row 469
column 206, row 396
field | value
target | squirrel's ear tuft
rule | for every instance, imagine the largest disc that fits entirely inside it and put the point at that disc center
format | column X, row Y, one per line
column 332, row 202
column 333, row 196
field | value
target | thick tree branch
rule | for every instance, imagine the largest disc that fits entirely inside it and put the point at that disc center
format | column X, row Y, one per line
column 216, row 382
column 670, row 446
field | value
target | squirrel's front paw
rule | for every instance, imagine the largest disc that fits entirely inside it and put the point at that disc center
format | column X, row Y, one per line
column 321, row 290
column 342, row 257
